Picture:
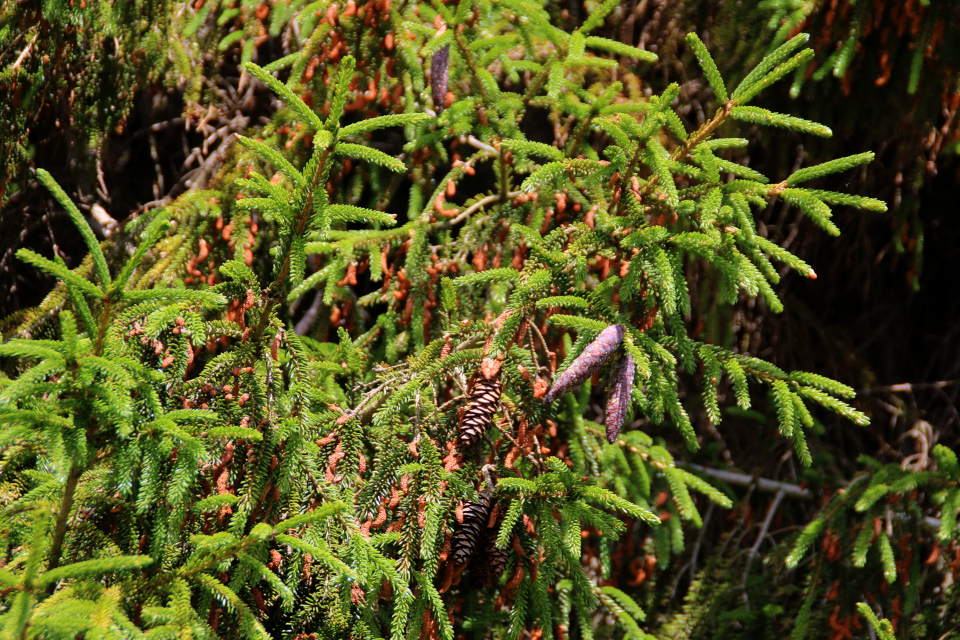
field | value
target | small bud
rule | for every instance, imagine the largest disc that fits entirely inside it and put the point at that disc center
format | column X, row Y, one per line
column 489, row 368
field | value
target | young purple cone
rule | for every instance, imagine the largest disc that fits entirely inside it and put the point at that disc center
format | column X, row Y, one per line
column 619, row 400
column 587, row 363
column 439, row 76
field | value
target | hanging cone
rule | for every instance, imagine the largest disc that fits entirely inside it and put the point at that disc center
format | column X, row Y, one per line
column 619, row 400
column 587, row 363
column 479, row 571
column 439, row 76
column 472, row 531
column 496, row 558
column 484, row 400
column 490, row 563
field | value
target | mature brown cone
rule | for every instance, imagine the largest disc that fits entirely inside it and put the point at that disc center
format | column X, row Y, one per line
column 475, row 516
column 484, row 400
column 489, row 564
column 619, row 400
column 587, row 363
column 496, row 557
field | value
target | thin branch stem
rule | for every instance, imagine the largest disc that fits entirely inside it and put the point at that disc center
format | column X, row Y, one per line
column 911, row 386
column 106, row 318
column 766, row 523
column 762, row 484
column 681, row 152
column 60, row 529
column 578, row 135
column 26, row 52
column 504, row 175
column 479, row 204
column 540, row 79
column 472, row 65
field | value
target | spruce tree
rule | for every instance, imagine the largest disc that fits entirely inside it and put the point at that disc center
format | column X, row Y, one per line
column 356, row 387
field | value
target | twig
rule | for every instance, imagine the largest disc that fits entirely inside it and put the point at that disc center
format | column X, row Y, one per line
column 469, row 211
column 543, row 341
column 487, row 472
column 158, row 186
column 504, row 175
column 910, row 386
column 478, row 144
column 762, row 484
column 772, row 486
column 951, row 407
column 60, row 530
column 766, row 523
column 198, row 178
column 682, row 151
column 157, row 126
column 472, row 65
column 26, row 51
column 309, row 316
column 537, row 82
column 102, row 190
column 696, row 548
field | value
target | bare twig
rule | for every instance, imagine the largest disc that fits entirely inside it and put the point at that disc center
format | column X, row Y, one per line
column 476, row 206
column 762, row 484
column 906, row 387
column 766, row 523
column 483, row 146
column 772, row 486
column 309, row 316
column 26, row 51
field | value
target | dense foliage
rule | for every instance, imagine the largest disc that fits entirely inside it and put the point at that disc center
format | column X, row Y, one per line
column 429, row 350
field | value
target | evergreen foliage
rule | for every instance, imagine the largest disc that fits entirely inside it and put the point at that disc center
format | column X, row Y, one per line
column 188, row 452
column 883, row 53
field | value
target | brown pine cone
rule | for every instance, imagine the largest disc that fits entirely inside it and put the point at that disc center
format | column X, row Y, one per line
column 472, row 531
column 484, row 400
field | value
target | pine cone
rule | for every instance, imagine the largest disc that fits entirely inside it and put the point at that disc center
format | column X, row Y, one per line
column 479, row 571
column 587, row 363
column 491, row 563
column 496, row 558
column 439, row 76
column 484, row 400
column 475, row 516
column 619, row 400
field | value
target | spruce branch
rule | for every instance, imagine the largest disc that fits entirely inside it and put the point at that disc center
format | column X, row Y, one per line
column 471, row 61
column 99, row 261
column 60, row 526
